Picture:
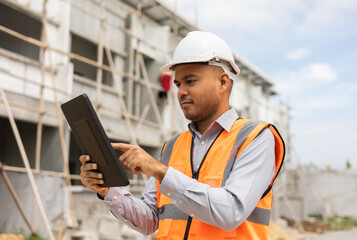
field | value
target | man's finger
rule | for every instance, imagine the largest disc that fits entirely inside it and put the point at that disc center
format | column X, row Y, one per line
column 91, row 174
column 89, row 167
column 121, row 146
column 95, row 181
column 124, row 156
column 84, row 159
column 89, row 182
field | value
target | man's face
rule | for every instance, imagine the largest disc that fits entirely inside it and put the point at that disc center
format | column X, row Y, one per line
column 198, row 93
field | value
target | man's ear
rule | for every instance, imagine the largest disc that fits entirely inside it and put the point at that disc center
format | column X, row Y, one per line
column 225, row 80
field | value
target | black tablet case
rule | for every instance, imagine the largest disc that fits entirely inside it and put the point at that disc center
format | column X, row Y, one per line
column 93, row 140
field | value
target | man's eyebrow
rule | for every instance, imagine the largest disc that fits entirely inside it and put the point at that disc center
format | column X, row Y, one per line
column 190, row 75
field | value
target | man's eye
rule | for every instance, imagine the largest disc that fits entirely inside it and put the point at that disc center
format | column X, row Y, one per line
column 190, row 81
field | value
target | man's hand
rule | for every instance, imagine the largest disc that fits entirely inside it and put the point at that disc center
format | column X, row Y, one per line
column 92, row 179
column 136, row 160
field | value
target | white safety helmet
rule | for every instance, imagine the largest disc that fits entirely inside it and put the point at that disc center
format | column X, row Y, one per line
column 203, row 47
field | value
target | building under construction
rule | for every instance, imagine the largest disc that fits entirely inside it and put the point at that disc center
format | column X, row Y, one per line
column 54, row 50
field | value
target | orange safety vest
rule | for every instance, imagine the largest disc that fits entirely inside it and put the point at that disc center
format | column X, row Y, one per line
column 174, row 223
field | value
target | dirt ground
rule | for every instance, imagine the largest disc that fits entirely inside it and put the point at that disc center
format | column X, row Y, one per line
column 311, row 231
column 350, row 234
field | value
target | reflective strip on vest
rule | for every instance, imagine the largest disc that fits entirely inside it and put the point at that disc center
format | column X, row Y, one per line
column 260, row 216
column 170, row 211
column 165, row 157
column 241, row 137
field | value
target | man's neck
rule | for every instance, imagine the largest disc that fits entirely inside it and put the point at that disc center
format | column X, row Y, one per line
column 202, row 126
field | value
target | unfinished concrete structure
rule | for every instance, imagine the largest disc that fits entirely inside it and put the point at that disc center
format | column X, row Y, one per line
column 51, row 51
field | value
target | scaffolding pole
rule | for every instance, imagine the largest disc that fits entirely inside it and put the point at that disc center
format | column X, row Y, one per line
column 41, row 112
column 27, row 164
column 15, row 197
column 100, row 54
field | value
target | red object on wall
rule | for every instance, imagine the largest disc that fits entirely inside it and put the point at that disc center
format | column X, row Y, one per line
column 166, row 81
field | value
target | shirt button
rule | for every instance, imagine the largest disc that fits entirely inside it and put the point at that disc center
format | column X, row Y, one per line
column 169, row 194
column 115, row 197
column 191, row 215
column 203, row 142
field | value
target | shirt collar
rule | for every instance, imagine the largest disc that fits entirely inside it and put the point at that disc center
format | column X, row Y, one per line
column 226, row 121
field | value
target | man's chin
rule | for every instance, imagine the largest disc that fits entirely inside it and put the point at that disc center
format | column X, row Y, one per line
column 191, row 117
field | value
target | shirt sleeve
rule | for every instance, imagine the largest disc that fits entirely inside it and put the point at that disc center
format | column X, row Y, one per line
column 250, row 177
column 139, row 214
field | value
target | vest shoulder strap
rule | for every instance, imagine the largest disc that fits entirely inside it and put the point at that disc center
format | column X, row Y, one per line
column 167, row 150
column 241, row 138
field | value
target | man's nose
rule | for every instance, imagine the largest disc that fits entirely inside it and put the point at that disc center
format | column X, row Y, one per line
column 182, row 91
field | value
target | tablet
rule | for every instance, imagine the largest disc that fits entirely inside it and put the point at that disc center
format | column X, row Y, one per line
column 93, row 140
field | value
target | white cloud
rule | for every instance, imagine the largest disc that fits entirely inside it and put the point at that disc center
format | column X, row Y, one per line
column 258, row 17
column 309, row 77
column 298, row 54
column 319, row 72
column 338, row 96
column 271, row 19
column 324, row 18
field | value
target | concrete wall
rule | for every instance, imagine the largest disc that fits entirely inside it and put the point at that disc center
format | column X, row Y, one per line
column 312, row 192
column 335, row 191
column 53, row 195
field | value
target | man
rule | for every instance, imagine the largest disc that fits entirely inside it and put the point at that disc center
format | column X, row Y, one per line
column 212, row 181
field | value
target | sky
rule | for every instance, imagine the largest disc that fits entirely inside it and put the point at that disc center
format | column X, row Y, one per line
column 308, row 48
